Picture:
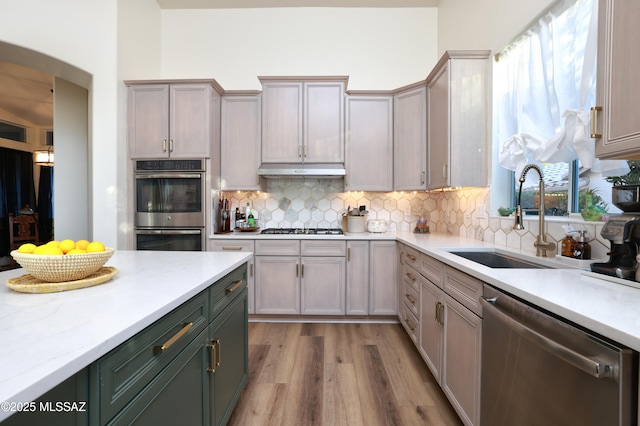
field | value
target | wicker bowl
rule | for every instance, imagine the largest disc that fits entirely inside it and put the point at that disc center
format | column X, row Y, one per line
column 60, row 268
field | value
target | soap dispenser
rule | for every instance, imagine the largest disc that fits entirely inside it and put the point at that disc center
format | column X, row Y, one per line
column 583, row 248
column 568, row 244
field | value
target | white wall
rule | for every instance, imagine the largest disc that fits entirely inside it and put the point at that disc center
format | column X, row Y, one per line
column 484, row 24
column 75, row 40
column 377, row 48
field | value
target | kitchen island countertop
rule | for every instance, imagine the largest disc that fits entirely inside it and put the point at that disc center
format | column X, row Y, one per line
column 47, row 338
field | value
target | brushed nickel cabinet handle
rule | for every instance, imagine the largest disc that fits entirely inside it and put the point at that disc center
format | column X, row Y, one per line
column 297, row 270
column 348, row 254
column 411, row 257
column 170, row 145
column 164, row 145
column 410, row 276
column 410, row 298
column 444, row 170
column 231, row 247
column 234, row 287
column 159, row 349
column 594, row 122
column 302, row 271
column 422, row 177
column 251, row 269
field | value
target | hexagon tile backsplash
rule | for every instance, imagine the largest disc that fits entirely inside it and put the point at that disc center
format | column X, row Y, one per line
column 311, row 203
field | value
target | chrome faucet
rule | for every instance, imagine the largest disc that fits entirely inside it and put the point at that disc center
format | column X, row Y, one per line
column 541, row 244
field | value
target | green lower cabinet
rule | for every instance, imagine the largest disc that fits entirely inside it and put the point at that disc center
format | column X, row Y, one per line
column 229, row 332
column 179, row 395
column 65, row 405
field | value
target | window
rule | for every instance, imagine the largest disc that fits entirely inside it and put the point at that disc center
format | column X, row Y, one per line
column 13, row 132
column 544, row 86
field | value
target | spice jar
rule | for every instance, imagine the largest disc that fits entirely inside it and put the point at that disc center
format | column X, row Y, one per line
column 582, row 248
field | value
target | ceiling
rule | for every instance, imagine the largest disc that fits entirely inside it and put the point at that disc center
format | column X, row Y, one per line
column 27, row 93
column 234, row 4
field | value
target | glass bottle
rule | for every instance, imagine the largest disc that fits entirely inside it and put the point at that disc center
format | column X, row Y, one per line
column 583, row 248
column 568, row 245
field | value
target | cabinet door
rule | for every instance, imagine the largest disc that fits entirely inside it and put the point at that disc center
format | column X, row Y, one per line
column 323, row 285
column 369, row 143
column 323, row 122
column 282, row 122
column 177, row 395
column 240, row 155
column 229, row 358
column 383, row 278
column 357, row 277
column 410, row 140
column 190, row 120
column 618, row 87
column 431, row 326
column 148, row 121
column 461, row 364
column 277, row 285
column 438, row 128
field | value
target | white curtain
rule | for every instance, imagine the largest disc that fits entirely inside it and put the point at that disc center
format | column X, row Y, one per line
column 546, row 86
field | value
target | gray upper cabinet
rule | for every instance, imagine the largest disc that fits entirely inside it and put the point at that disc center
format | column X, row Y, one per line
column 303, row 119
column 617, row 128
column 171, row 120
column 240, row 153
column 457, row 105
column 369, row 143
column 410, row 138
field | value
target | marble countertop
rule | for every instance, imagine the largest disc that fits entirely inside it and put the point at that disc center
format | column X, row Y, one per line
column 49, row 337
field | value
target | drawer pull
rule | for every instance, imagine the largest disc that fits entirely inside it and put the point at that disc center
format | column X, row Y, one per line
column 231, row 247
column 159, row 349
column 410, row 276
column 410, row 298
column 234, row 287
column 410, row 257
column 214, row 347
column 594, row 122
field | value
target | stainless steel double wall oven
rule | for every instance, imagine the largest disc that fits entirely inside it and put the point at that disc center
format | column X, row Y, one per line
column 170, row 204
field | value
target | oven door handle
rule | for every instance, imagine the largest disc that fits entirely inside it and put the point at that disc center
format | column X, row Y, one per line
column 168, row 232
column 596, row 369
column 168, row 175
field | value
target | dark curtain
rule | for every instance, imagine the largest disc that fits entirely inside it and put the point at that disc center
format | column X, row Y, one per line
column 45, row 204
column 17, row 189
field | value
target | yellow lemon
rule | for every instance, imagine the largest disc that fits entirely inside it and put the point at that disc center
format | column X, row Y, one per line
column 48, row 249
column 66, row 245
column 82, row 244
column 95, row 246
column 27, row 248
column 76, row 251
column 53, row 243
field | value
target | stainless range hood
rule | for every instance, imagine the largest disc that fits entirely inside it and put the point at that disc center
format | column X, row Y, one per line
column 281, row 170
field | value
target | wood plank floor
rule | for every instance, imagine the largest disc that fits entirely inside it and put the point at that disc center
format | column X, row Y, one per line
column 338, row 374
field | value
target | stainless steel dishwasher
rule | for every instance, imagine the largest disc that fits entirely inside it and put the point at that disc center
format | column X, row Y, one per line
column 540, row 370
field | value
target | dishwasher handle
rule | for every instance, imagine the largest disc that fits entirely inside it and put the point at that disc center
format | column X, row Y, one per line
column 596, row 369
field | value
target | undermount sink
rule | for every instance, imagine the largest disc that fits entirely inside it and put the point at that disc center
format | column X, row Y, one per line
column 493, row 259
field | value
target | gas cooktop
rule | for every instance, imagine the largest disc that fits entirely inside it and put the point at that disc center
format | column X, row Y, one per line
column 302, row 231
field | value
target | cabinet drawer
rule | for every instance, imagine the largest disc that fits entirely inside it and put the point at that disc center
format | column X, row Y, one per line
column 464, row 288
column 432, row 269
column 410, row 278
column 409, row 321
column 411, row 299
column 126, row 370
column 277, row 247
column 225, row 290
column 323, row 248
column 411, row 256
column 232, row 245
